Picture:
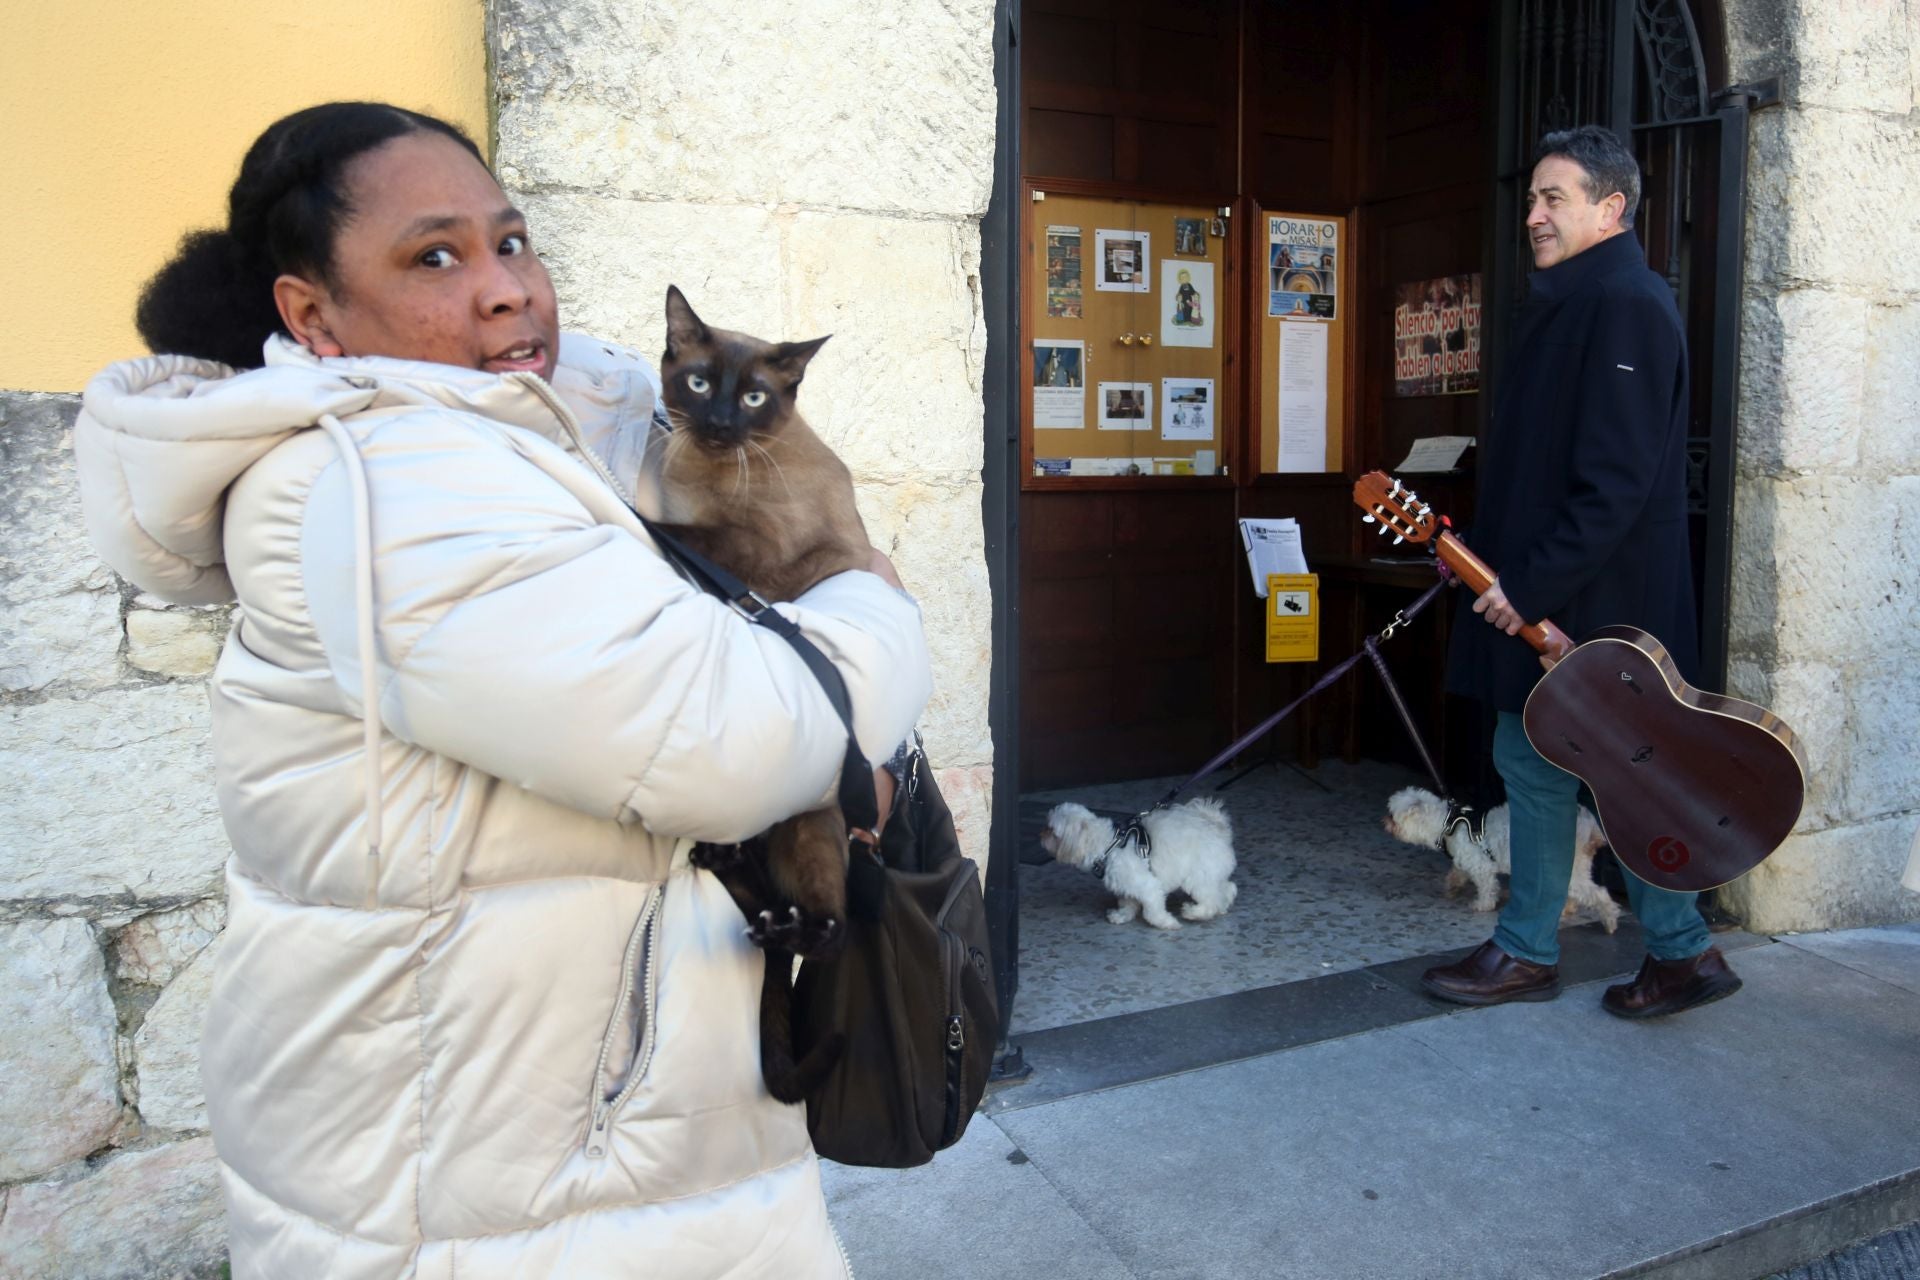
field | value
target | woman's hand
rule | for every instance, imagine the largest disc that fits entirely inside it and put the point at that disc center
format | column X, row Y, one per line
column 884, row 567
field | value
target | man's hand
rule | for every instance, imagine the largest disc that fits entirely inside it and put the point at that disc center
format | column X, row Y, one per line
column 1493, row 605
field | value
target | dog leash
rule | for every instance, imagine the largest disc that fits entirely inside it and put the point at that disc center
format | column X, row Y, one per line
column 1135, row 832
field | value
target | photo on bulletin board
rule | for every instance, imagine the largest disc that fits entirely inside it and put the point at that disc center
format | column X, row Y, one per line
column 1436, row 336
column 1126, row 406
column 1190, row 236
column 1059, row 384
column 1302, row 267
column 1063, row 273
column 1186, row 303
column 1125, row 261
column 1186, row 408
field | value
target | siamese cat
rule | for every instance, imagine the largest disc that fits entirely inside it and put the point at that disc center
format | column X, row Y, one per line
column 745, row 482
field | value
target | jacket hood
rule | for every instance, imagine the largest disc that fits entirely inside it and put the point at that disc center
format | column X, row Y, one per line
column 160, row 440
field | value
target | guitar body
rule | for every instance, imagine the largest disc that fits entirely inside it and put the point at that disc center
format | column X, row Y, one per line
column 1693, row 789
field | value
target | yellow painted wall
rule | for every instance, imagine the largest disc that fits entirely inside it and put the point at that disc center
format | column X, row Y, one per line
column 122, row 124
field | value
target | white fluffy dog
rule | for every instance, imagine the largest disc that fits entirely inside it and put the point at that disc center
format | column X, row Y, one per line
column 1191, row 850
column 1418, row 816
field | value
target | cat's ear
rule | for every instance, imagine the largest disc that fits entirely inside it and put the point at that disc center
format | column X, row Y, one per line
column 684, row 328
column 789, row 359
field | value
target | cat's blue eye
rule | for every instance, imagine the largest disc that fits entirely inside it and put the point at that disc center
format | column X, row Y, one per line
column 754, row 399
column 698, row 385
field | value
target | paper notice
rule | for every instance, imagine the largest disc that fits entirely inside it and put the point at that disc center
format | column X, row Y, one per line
column 1273, row 546
column 1303, row 396
column 1059, row 384
column 1435, row 453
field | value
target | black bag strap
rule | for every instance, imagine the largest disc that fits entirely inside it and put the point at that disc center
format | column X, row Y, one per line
column 858, row 800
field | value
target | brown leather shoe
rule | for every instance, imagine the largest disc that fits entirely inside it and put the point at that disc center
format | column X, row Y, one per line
column 1671, row 986
column 1491, row 976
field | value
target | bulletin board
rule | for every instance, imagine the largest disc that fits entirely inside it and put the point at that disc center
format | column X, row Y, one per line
column 1128, row 308
column 1306, row 265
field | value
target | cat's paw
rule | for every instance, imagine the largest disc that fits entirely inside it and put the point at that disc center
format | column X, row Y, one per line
column 718, row 858
column 798, row 932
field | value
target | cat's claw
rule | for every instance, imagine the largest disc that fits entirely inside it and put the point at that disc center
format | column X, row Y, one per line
column 802, row 934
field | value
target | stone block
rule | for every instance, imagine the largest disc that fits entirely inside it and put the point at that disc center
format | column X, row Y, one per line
column 167, row 1049
column 182, row 643
column 1839, row 878
column 155, row 947
column 612, row 261
column 150, row 1213
column 730, row 102
column 1822, row 379
column 1882, row 773
column 1844, row 552
column 1854, row 55
column 110, row 796
column 59, row 1077
column 1813, row 699
column 1889, row 445
column 968, row 792
column 898, row 390
column 59, row 603
column 933, row 534
column 1759, row 426
column 1851, row 182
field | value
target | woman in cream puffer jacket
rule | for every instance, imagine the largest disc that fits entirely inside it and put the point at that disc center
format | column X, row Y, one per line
column 474, row 1013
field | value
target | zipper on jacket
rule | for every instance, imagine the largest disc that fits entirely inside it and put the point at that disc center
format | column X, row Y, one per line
column 637, row 969
column 534, row 383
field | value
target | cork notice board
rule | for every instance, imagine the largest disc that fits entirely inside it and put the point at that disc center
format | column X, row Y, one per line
column 1125, row 325
column 1306, row 272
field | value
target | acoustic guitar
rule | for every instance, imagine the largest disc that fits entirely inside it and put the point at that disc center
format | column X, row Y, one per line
column 1693, row 789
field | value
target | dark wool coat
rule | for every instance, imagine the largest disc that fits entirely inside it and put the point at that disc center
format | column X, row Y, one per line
column 1582, row 504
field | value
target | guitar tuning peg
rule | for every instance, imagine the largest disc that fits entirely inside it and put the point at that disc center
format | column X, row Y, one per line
column 1397, row 539
column 1367, row 520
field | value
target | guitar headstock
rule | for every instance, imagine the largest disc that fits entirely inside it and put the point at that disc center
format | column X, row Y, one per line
column 1395, row 508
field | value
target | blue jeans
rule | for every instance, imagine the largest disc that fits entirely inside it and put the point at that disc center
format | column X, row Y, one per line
column 1543, row 810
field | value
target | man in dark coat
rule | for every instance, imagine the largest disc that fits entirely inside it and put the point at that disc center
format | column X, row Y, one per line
column 1582, row 510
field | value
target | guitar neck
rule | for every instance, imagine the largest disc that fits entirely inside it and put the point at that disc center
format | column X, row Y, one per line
column 1544, row 636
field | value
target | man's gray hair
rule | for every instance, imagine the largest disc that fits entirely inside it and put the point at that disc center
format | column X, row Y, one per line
column 1610, row 166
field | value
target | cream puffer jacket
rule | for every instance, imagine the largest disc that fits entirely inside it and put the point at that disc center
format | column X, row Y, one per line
column 493, row 1025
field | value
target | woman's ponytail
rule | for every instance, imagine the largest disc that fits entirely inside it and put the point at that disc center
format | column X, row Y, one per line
column 214, row 298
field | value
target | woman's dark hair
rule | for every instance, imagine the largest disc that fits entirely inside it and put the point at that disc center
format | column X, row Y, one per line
column 215, row 298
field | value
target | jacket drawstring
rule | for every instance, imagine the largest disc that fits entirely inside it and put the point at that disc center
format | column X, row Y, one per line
column 356, row 468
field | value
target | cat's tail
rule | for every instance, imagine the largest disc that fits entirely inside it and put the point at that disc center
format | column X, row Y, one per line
column 786, row 1079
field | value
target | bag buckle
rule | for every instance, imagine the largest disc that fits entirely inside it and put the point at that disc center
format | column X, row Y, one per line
column 749, row 606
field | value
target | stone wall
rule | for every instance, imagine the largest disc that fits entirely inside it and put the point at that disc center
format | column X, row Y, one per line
column 110, row 858
column 796, row 172
column 1826, row 590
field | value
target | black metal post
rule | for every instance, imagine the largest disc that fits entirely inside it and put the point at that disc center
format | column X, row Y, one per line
column 1000, row 518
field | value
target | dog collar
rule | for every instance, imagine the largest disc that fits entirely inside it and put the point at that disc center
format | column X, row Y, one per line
column 1133, row 833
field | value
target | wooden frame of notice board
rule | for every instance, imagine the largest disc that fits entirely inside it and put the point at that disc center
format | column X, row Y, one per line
column 1091, row 206
column 1261, row 454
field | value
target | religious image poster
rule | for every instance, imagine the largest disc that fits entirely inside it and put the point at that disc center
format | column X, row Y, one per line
column 1125, row 261
column 1190, row 236
column 1303, row 257
column 1436, row 336
column 1125, row 406
column 1059, row 384
column 1186, row 408
column 1186, row 303
column 1063, row 273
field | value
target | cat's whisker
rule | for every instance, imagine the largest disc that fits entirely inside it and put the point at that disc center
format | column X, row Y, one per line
column 740, row 472
column 773, row 462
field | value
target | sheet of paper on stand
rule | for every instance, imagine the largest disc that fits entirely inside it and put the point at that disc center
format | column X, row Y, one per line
column 1435, row 453
column 1273, row 546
